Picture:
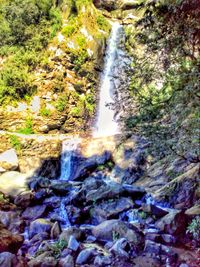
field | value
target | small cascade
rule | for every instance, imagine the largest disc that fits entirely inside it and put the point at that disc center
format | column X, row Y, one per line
column 106, row 124
column 68, row 148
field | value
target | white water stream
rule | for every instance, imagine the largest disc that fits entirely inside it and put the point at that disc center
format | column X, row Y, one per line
column 106, row 125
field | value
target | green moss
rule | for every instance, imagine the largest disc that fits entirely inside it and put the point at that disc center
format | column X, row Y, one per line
column 28, row 128
column 15, row 142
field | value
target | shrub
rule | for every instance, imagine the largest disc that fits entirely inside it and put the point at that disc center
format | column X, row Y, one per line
column 45, row 112
column 61, row 103
column 194, row 228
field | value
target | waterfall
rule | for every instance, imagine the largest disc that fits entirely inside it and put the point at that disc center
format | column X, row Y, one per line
column 68, row 148
column 106, row 124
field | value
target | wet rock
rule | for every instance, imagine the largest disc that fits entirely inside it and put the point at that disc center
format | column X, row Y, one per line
column 109, row 209
column 50, row 168
column 73, row 243
column 158, row 211
column 8, row 241
column 102, row 261
column 24, row 199
column 74, row 214
column 52, row 202
column 134, row 192
column 9, row 160
column 173, row 223
column 119, row 248
column 60, row 187
column 85, row 256
column 8, row 259
column 39, row 226
column 111, row 229
column 41, row 194
column 104, row 192
column 55, row 231
column 92, row 183
column 39, row 237
column 68, row 261
column 13, row 183
column 43, row 260
column 84, row 165
column 33, row 213
column 71, row 231
column 39, row 182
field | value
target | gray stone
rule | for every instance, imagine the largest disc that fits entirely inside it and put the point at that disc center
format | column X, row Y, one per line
column 9, row 160
column 55, row 231
column 39, row 226
column 7, row 259
column 102, row 261
column 114, row 229
column 67, row 262
column 73, row 243
column 85, row 255
column 33, row 213
column 119, row 247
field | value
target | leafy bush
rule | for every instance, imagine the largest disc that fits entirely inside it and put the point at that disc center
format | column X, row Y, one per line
column 102, row 23
column 194, row 228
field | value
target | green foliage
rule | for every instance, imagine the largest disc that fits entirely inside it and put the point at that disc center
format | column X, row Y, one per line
column 61, row 103
column 102, row 23
column 58, row 247
column 45, row 112
column 76, row 112
column 79, row 58
column 28, row 129
column 26, row 26
column 194, row 228
column 165, row 84
column 15, row 142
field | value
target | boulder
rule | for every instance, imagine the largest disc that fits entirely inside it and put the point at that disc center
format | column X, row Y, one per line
column 173, row 223
column 119, row 248
column 33, row 213
column 110, row 209
column 60, row 187
column 39, row 226
column 12, row 221
column 8, row 259
column 107, row 191
column 68, row 261
column 24, row 199
column 55, row 231
column 9, row 160
column 43, row 260
column 13, row 183
column 73, row 244
column 85, row 256
column 84, row 165
column 8, row 241
column 71, row 231
column 102, row 261
column 158, row 249
column 114, row 229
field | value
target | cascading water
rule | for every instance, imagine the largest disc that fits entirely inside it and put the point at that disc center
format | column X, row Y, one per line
column 106, row 125
column 68, row 147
